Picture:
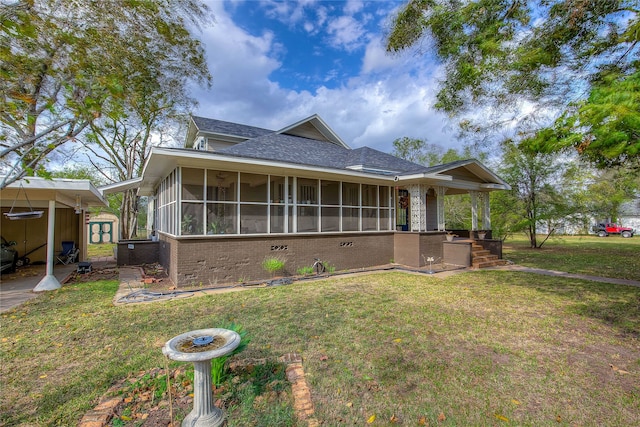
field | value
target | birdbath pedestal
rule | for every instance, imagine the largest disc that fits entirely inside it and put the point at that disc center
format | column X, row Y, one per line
column 199, row 347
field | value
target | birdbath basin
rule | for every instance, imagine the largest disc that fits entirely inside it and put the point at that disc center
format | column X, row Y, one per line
column 199, row 347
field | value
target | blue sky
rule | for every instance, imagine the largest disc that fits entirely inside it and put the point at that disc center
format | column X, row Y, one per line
column 277, row 62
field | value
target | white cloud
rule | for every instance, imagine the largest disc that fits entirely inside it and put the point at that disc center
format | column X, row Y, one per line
column 345, row 32
column 376, row 57
column 390, row 99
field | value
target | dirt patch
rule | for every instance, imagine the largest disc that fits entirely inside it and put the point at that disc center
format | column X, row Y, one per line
column 96, row 274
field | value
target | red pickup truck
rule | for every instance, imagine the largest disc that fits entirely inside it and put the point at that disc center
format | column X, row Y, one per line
column 604, row 229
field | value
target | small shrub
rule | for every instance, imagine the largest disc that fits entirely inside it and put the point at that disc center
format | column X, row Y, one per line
column 302, row 271
column 273, row 264
column 219, row 365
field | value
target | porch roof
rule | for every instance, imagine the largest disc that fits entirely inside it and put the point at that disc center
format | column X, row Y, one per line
column 65, row 192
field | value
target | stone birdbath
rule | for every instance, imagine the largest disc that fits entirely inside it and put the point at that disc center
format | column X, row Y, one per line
column 199, row 347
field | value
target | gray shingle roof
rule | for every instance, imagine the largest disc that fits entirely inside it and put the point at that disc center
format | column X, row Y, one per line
column 267, row 144
column 228, row 128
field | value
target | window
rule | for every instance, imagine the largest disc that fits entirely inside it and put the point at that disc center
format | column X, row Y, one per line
column 215, row 202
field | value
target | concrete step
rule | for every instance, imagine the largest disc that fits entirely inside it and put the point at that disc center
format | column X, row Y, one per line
column 480, row 252
column 487, row 264
column 488, row 258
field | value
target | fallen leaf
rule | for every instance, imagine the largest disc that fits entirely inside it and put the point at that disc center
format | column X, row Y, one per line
column 371, row 419
column 441, row 417
column 422, row 421
column 393, row 419
column 501, row 417
column 43, row 376
column 558, row 418
column 349, row 404
column 516, row 402
column 398, row 340
column 125, row 418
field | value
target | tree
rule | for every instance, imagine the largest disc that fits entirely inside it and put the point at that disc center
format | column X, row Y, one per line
column 63, row 65
column 542, row 193
column 604, row 128
column 509, row 57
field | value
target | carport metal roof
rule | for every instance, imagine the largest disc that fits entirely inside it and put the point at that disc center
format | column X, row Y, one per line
column 67, row 193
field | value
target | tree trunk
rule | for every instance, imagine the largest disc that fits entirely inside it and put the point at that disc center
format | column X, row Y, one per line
column 129, row 215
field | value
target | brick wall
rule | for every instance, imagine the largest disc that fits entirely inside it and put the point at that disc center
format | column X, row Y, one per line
column 223, row 260
column 136, row 252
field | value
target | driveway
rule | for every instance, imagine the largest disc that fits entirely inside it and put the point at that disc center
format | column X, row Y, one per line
column 16, row 288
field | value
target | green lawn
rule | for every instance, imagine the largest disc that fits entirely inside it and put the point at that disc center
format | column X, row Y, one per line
column 611, row 256
column 95, row 250
column 480, row 348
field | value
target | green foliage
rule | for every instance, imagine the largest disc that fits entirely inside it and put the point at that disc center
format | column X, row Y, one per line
column 219, row 366
column 421, row 152
column 304, row 270
column 64, row 67
column 604, row 128
column 273, row 264
column 543, row 190
column 502, row 55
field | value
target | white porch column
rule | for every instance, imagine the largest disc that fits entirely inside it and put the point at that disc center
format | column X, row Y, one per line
column 49, row 281
column 418, row 197
column 474, row 210
column 440, row 192
column 486, row 211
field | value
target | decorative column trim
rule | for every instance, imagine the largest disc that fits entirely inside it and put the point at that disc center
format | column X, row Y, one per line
column 417, row 208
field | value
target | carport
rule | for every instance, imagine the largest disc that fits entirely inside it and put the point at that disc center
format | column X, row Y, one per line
column 63, row 203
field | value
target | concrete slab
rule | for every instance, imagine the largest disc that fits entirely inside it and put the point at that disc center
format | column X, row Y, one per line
column 16, row 288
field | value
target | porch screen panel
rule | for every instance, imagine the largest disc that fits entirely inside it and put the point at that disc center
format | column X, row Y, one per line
column 253, row 188
column 253, row 219
column 350, row 194
column 330, row 218
column 307, row 191
column 369, row 219
column 385, row 197
column 330, row 193
column 192, row 184
column 221, row 218
column 369, row 195
column 385, row 215
column 307, row 219
column 276, row 189
column 350, row 219
column 192, row 219
column 221, row 186
column 277, row 219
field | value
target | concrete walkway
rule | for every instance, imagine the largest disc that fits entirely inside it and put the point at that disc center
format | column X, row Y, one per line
column 16, row 288
column 611, row 280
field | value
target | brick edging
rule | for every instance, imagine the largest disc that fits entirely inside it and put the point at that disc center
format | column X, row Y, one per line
column 302, row 404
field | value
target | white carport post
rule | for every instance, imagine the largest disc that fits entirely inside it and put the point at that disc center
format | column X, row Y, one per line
column 49, row 281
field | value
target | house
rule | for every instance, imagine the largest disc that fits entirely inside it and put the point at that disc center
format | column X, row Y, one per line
column 237, row 194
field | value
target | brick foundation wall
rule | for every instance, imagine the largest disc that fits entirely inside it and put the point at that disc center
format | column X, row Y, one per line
column 224, row 260
column 412, row 249
column 136, row 252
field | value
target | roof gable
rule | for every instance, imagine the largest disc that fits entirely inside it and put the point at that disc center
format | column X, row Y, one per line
column 313, row 127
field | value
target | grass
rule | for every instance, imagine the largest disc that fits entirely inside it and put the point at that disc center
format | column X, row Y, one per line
column 100, row 250
column 611, row 256
column 480, row 348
